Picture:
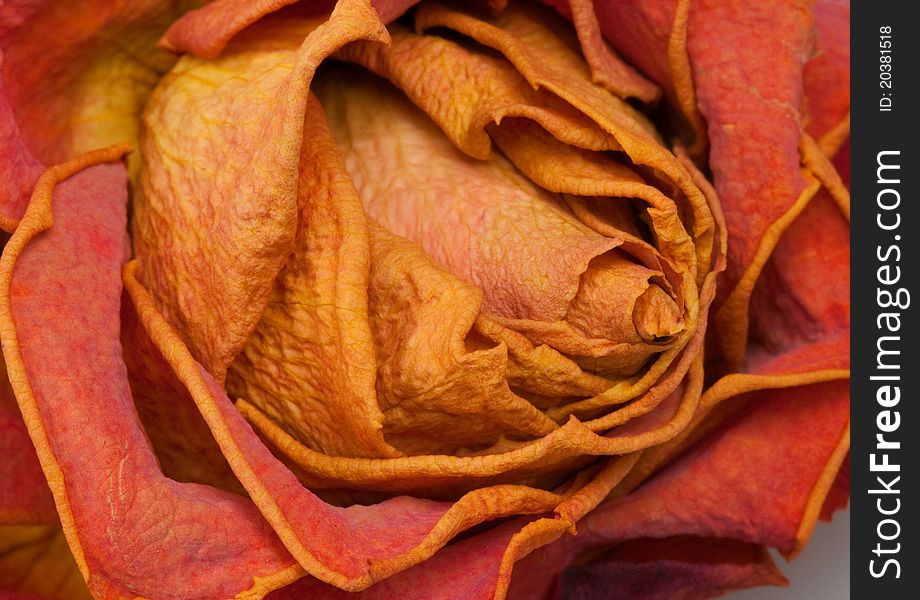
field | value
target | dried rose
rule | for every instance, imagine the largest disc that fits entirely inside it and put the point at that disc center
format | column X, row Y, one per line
column 391, row 283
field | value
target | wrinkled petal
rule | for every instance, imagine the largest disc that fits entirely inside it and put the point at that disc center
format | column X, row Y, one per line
column 479, row 567
column 24, row 495
column 132, row 531
column 72, row 78
column 484, row 96
column 607, row 68
column 206, row 31
column 310, row 363
column 467, row 570
column 762, row 200
column 652, row 36
column 802, row 434
column 776, row 449
column 491, row 202
column 244, row 113
column 326, row 309
column 479, row 291
column 452, row 394
column 347, row 547
column 803, row 294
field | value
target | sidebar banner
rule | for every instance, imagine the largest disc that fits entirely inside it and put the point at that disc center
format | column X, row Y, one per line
column 885, row 171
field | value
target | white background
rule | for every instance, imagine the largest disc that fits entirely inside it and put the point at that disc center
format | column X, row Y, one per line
column 821, row 571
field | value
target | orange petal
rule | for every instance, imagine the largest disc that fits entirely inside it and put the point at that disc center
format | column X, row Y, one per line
column 489, row 555
column 349, row 548
column 310, row 363
column 752, row 110
column 761, row 108
column 109, row 491
column 607, row 68
column 206, row 31
column 549, row 267
column 839, row 494
column 776, row 463
column 245, row 112
column 480, row 204
column 652, row 36
column 466, row 570
column 543, row 462
column 439, row 389
column 804, row 291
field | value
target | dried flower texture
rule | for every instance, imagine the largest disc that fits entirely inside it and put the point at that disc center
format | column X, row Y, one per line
column 386, row 273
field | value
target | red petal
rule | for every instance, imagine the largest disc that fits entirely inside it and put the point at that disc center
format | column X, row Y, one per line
column 18, row 168
column 132, row 530
column 24, row 495
column 467, row 570
column 752, row 480
column 827, row 76
column 687, row 568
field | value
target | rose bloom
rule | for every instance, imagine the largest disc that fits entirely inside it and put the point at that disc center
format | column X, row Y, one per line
column 439, row 300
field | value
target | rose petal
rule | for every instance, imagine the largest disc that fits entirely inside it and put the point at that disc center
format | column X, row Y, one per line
column 804, row 290
column 653, row 512
column 521, row 462
column 404, row 63
column 178, row 435
column 839, row 494
column 440, row 392
column 245, row 113
column 24, row 495
column 758, row 454
column 538, row 45
column 19, row 170
column 653, row 38
column 206, row 31
column 479, row 567
column 754, row 198
column 528, row 280
column 607, row 68
column 347, row 547
column 663, row 569
column 77, row 75
column 759, row 201
column 71, row 81
column 485, row 90
column 466, row 570
column 763, row 455
column 827, row 76
column 310, row 363
column 132, row 531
